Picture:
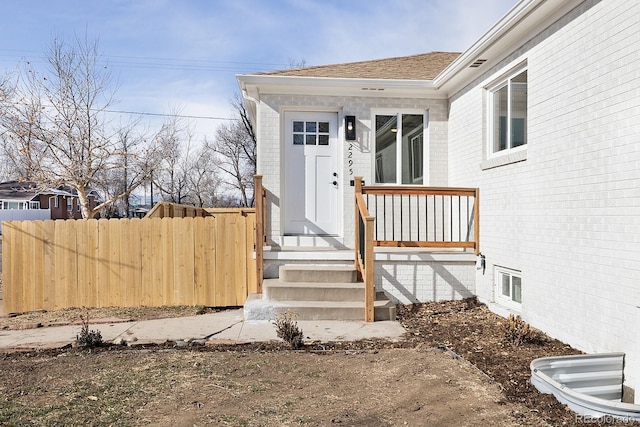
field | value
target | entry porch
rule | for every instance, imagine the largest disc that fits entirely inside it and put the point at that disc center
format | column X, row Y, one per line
column 412, row 244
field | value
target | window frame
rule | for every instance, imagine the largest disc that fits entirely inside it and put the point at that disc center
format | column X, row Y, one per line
column 501, row 298
column 377, row 158
column 505, row 80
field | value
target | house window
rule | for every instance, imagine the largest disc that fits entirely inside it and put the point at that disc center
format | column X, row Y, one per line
column 508, row 113
column 69, row 204
column 509, row 287
column 399, row 141
column 56, row 204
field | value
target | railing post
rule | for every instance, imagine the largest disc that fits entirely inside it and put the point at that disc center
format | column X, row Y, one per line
column 369, row 283
column 259, row 201
column 358, row 190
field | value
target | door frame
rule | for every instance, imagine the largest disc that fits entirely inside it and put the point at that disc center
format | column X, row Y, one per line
column 339, row 152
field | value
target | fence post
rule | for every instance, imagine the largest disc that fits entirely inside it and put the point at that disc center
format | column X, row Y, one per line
column 259, row 201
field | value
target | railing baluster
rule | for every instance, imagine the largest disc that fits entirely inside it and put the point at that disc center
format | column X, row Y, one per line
column 384, row 215
column 401, row 217
column 418, row 216
column 393, row 217
column 442, row 212
column 408, row 218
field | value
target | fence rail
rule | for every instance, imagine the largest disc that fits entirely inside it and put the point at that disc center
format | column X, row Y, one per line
column 129, row 262
column 173, row 210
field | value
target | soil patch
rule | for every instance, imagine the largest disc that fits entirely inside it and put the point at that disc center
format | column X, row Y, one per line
column 454, row 367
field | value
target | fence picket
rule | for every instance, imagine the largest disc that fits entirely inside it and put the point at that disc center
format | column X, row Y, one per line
column 202, row 260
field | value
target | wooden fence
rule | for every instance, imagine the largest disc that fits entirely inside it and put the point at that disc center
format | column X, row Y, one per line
column 129, row 262
column 173, row 210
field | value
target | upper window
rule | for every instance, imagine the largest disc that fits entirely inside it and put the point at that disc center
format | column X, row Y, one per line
column 399, row 141
column 509, row 287
column 508, row 113
column 69, row 204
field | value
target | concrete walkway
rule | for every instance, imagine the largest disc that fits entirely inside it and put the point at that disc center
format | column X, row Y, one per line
column 222, row 327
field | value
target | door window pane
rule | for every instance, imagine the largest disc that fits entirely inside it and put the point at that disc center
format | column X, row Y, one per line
column 310, row 133
column 311, row 127
column 386, row 151
column 399, row 144
column 412, row 128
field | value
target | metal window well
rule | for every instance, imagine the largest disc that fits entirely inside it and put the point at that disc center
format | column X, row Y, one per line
column 590, row 384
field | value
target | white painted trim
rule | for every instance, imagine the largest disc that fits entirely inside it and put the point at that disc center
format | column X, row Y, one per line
column 499, row 297
column 495, row 83
column 255, row 85
column 513, row 156
column 526, row 19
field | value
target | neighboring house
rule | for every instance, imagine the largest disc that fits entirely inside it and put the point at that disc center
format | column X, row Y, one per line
column 541, row 114
column 26, row 201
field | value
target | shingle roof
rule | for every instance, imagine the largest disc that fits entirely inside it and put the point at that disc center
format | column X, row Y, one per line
column 16, row 190
column 425, row 66
column 27, row 190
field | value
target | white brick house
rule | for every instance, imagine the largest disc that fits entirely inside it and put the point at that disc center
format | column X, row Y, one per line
column 541, row 114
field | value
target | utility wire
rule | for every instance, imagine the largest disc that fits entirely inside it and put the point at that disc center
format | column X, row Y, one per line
column 169, row 115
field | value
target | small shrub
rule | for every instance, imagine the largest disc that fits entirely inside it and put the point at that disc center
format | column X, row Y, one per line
column 88, row 338
column 517, row 331
column 287, row 329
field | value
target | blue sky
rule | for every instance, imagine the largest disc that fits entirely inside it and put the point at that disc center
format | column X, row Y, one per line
column 169, row 55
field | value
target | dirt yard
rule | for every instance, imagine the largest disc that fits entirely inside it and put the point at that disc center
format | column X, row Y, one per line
column 455, row 367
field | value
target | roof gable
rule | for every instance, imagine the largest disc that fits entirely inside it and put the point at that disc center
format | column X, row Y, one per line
column 425, row 66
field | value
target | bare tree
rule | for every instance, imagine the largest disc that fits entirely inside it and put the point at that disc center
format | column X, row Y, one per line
column 170, row 171
column 124, row 178
column 203, row 179
column 55, row 129
column 235, row 144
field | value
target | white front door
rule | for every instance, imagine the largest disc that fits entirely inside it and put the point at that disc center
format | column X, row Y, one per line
column 311, row 180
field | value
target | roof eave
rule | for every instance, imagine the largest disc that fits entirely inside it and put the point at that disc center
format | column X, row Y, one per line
column 514, row 29
column 255, row 85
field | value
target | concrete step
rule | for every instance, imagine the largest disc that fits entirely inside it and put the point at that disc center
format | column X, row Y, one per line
column 277, row 290
column 318, row 273
column 257, row 308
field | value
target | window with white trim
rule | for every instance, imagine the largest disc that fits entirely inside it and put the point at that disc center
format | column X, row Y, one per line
column 69, row 204
column 508, row 113
column 508, row 287
column 400, row 151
